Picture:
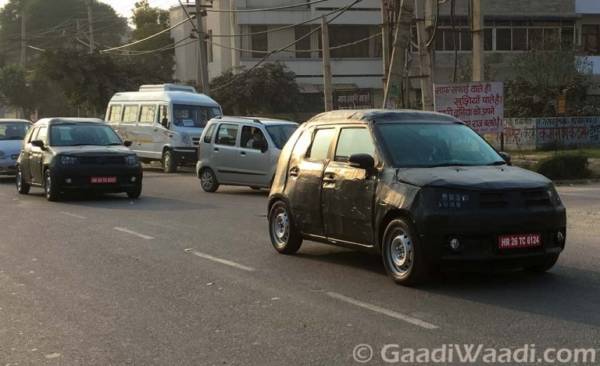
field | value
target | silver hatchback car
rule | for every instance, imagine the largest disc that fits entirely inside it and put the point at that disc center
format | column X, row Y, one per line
column 241, row 151
column 12, row 132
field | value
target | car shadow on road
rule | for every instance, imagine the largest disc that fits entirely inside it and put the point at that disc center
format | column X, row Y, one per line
column 566, row 293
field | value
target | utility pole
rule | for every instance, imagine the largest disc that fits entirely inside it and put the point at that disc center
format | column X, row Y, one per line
column 23, row 38
column 424, row 32
column 235, row 54
column 385, row 38
column 327, row 87
column 202, row 76
column 478, row 57
column 393, row 96
column 91, row 25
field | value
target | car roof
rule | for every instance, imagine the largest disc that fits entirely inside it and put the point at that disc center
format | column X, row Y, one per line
column 63, row 120
column 382, row 115
column 6, row 120
column 255, row 120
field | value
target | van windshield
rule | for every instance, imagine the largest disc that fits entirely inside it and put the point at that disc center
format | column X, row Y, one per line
column 193, row 115
column 432, row 145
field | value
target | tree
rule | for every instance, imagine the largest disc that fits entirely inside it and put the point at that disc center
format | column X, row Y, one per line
column 268, row 89
column 148, row 21
column 15, row 88
column 54, row 24
column 541, row 77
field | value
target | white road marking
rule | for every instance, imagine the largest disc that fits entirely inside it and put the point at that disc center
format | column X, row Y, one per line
column 220, row 260
column 134, row 233
column 73, row 215
column 380, row 310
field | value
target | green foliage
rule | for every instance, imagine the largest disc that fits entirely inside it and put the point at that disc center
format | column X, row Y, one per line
column 541, row 77
column 565, row 166
column 14, row 87
column 52, row 24
column 266, row 90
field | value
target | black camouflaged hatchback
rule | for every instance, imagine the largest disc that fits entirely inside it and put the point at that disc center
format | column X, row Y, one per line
column 421, row 189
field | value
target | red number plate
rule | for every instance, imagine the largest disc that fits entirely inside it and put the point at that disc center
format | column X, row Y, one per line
column 104, row 180
column 519, row 241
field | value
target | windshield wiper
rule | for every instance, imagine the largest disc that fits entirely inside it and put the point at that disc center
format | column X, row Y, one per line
column 448, row 164
column 499, row 162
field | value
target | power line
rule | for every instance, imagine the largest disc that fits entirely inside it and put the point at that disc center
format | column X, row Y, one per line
column 266, row 9
column 144, row 39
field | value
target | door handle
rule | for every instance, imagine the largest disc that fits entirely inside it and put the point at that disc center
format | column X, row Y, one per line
column 216, row 149
column 329, row 178
column 243, row 153
column 294, row 172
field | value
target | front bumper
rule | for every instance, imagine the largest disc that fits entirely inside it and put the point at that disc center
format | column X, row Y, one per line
column 185, row 155
column 80, row 178
column 478, row 232
column 8, row 167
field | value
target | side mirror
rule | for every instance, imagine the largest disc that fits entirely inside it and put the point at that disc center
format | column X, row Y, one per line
column 38, row 143
column 362, row 161
column 127, row 143
column 506, row 157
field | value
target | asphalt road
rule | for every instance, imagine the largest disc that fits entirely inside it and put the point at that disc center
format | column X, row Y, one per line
column 182, row 277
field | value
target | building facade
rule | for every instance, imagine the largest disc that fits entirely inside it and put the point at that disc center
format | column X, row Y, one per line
column 511, row 28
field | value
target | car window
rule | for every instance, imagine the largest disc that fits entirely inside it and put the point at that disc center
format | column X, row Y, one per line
column 147, row 113
column 209, row 133
column 83, row 134
column 354, row 141
column 319, row 150
column 227, row 134
column 130, row 114
column 115, row 113
column 13, row 130
column 280, row 134
column 252, row 138
column 42, row 134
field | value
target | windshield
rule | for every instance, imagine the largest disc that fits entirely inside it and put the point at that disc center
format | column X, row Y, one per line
column 13, row 130
column 430, row 145
column 193, row 115
column 280, row 134
column 83, row 134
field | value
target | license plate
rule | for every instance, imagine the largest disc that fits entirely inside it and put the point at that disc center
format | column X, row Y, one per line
column 104, row 180
column 519, row 241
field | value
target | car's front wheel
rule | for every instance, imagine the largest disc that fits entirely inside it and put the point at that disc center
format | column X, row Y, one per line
column 136, row 192
column 403, row 256
column 22, row 187
column 51, row 188
column 285, row 237
column 208, row 180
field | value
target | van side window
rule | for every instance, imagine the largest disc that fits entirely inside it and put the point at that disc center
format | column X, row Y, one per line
column 147, row 113
column 319, row 150
column 209, row 133
column 354, row 141
column 227, row 134
column 115, row 113
column 130, row 113
column 163, row 116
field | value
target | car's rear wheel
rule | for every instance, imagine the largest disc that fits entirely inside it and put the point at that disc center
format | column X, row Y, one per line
column 545, row 266
column 136, row 192
column 403, row 256
column 208, row 180
column 285, row 237
column 168, row 162
column 22, row 187
column 51, row 188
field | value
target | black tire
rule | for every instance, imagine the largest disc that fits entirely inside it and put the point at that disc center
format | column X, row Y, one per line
column 285, row 237
column 545, row 266
column 51, row 189
column 168, row 162
column 208, row 180
column 22, row 187
column 403, row 256
column 135, row 193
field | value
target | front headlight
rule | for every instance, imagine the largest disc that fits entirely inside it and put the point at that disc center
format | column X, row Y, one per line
column 131, row 160
column 453, row 200
column 68, row 160
column 2, row 154
column 553, row 195
column 185, row 138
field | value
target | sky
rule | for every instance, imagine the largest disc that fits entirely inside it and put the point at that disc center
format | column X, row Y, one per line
column 123, row 7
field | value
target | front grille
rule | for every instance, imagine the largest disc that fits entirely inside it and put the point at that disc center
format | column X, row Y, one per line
column 102, row 160
column 493, row 200
column 536, row 197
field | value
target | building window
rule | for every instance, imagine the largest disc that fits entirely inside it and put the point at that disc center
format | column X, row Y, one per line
column 343, row 34
column 304, row 43
column 259, row 42
column 590, row 38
